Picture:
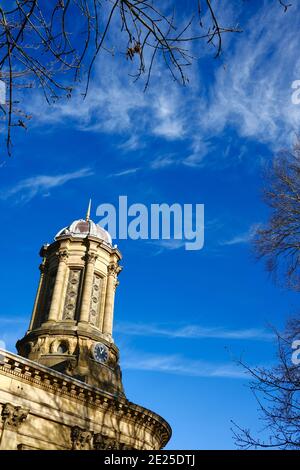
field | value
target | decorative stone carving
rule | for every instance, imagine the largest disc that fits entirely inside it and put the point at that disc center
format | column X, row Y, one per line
column 81, row 439
column 13, row 416
column 91, row 257
column 72, row 294
column 40, row 345
column 113, row 269
column 101, row 442
column 62, row 256
column 95, row 299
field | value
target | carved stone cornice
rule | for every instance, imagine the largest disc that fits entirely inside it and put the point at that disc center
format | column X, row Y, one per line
column 57, row 383
column 81, row 439
column 13, row 416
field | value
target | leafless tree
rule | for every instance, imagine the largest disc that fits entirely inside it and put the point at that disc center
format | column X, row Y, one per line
column 279, row 241
column 277, row 389
column 277, row 392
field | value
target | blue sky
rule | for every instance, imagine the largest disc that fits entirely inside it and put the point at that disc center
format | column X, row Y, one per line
column 181, row 317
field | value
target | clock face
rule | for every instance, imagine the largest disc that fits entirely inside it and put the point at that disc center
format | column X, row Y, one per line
column 100, row 352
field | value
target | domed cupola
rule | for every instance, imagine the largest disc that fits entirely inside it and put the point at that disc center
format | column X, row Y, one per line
column 83, row 228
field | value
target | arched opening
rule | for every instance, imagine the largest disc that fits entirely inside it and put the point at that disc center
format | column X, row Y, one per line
column 63, row 347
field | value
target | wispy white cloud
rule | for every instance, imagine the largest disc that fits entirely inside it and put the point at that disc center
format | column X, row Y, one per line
column 41, row 184
column 199, row 148
column 242, row 238
column 132, row 143
column 115, row 105
column 164, row 161
column 163, row 245
column 12, row 320
column 169, row 122
column 176, row 364
column 12, row 328
column 193, row 332
column 250, row 93
column 253, row 92
column 130, row 171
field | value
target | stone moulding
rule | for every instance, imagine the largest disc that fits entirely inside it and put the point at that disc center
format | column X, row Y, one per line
column 58, row 383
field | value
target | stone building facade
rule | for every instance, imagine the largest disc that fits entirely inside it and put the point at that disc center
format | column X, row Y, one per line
column 64, row 388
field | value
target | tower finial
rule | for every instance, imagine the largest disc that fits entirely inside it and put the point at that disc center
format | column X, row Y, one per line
column 88, row 214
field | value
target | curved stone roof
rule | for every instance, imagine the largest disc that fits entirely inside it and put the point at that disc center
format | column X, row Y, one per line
column 83, row 228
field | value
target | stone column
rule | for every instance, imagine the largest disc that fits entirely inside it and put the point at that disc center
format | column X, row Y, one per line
column 35, row 312
column 112, row 282
column 58, row 287
column 87, row 287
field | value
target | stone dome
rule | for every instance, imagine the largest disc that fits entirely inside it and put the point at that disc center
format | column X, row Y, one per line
column 84, row 228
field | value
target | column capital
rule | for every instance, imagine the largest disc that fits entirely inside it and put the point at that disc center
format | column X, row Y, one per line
column 101, row 442
column 113, row 269
column 91, row 257
column 13, row 416
column 80, row 438
column 62, row 255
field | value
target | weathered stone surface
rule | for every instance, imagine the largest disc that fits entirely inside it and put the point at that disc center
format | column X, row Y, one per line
column 40, row 408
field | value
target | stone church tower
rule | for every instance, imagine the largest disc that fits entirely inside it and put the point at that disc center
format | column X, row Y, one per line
column 72, row 320
column 68, row 364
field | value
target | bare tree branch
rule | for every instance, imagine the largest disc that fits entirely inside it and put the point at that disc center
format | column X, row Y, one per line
column 277, row 392
column 54, row 45
column 279, row 241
